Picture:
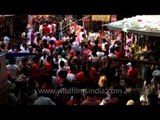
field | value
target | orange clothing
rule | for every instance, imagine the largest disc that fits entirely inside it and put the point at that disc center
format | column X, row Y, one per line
column 58, row 43
column 48, row 66
column 35, row 71
column 133, row 74
column 51, row 48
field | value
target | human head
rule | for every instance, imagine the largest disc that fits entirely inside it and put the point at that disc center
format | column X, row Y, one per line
column 103, row 40
column 62, row 64
column 156, row 75
column 36, row 59
column 77, row 53
column 62, row 74
column 130, row 102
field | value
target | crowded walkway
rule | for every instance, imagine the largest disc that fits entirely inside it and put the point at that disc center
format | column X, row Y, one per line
column 76, row 67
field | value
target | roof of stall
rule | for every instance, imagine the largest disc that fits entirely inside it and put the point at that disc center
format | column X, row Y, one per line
column 140, row 24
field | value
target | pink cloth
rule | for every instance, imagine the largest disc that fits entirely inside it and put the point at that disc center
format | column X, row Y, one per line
column 86, row 53
column 77, row 39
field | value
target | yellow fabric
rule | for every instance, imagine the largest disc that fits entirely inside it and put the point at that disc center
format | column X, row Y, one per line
column 102, row 81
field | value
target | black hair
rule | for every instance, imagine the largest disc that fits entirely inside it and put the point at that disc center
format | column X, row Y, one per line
column 2, row 45
column 62, row 74
column 86, row 46
column 78, row 52
column 104, row 40
column 83, row 35
column 62, row 64
column 35, row 59
column 112, row 50
column 52, row 42
column 46, row 45
column 69, row 47
column 96, row 42
column 82, row 30
column 94, row 53
column 49, row 58
column 44, row 41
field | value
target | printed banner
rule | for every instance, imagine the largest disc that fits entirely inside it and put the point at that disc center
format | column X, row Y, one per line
column 105, row 18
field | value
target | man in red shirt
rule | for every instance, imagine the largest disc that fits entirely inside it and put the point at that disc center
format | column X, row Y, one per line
column 58, row 43
column 35, row 69
column 46, row 29
column 51, row 46
column 133, row 74
column 87, row 75
column 47, row 64
column 86, row 53
column 119, row 54
column 71, row 53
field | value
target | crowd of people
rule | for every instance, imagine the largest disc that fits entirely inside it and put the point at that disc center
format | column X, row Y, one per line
column 77, row 60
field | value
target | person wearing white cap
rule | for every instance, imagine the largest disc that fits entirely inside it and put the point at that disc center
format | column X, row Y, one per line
column 156, row 79
column 6, row 40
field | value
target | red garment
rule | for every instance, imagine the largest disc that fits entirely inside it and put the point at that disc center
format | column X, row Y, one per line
column 46, row 30
column 58, row 43
column 73, row 102
column 133, row 74
column 100, row 45
column 71, row 52
column 51, row 48
column 8, row 74
column 53, row 28
column 46, row 86
column 59, row 81
column 80, row 77
column 48, row 66
column 77, row 39
column 35, row 71
column 119, row 54
column 86, row 53
column 93, row 74
column 69, row 71
column 90, row 46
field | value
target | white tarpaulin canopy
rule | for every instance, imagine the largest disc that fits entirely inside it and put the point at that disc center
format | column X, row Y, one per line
column 141, row 24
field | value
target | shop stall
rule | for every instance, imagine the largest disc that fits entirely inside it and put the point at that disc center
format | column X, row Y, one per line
column 146, row 35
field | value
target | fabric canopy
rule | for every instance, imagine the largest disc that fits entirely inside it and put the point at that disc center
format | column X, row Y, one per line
column 144, row 24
